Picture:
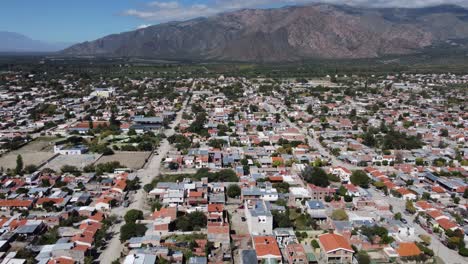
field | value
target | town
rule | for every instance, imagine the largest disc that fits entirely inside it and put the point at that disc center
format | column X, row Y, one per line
column 228, row 169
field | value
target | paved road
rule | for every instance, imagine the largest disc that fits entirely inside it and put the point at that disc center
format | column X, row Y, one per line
column 146, row 175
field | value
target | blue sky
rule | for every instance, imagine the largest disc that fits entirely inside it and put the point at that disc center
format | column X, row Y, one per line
column 80, row 20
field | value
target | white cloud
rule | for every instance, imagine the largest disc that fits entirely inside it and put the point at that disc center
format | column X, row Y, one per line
column 143, row 26
column 162, row 11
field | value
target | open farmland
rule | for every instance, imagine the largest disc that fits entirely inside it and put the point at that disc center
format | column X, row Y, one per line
column 133, row 160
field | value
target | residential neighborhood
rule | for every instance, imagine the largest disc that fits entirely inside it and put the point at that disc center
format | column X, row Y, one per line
column 336, row 169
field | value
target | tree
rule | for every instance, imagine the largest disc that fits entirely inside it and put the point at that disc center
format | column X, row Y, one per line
column 49, row 237
column 465, row 193
column 133, row 215
column 419, row 161
column 315, row 244
column 131, row 132
column 281, row 220
column 410, row 207
column 316, row 176
column 148, row 187
column 30, row 168
column 190, row 222
column 19, row 164
column 233, row 190
column 339, row 215
column 360, row 178
column 363, row 258
column 444, row 132
column 397, row 216
column 130, row 230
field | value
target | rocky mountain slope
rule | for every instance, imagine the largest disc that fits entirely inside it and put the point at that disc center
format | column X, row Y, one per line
column 288, row 34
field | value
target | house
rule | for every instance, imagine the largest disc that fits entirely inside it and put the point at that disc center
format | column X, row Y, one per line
column 140, row 258
column 408, row 249
column 267, row 248
column 259, row 218
column 297, row 195
column 335, row 249
column 219, row 235
column 72, row 150
column 15, row 204
column 319, row 193
column 296, row 254
column 103, row 203
column 316, row 209
column 162, row 219
column 341, row 172
column 249, row 256
column 407, row 194
column 147, row 123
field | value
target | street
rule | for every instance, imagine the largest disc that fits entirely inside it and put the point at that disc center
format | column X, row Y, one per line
column 146, row 175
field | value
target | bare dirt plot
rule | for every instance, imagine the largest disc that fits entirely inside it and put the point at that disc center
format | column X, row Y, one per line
column 35, row 152
column 79, row 161
column 41, row 144
column 8, row 161
column 133, row 160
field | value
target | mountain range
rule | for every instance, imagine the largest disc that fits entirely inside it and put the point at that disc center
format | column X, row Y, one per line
column 289, row 34
column 15, row 42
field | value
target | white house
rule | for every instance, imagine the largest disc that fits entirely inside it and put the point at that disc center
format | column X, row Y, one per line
column 341, row 172
column 259, row 218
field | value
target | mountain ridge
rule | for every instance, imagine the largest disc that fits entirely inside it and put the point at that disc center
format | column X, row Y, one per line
column 288, row 34
column 16, row 42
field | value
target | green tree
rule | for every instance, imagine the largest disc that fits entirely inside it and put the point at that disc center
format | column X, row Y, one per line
column 316, row 176
column 363, row 258
column 360, row 178
column 397, row 216
column 339, row 215
column 133, row 215
column 19, row 165
column 419, row 161
column 131, row 132
column 130, row 230
column 233, row 190
column 30, row 168
column 410, row 207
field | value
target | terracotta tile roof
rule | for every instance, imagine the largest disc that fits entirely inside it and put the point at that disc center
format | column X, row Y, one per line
column 333, row 242
column 46, row 199
column 438, row 189
column 408, row 249
column 61, row 260
column 266, row 245
column 434, row 214
column 166, row 212
column 446, row 224
column 195, row 194
column 404, row 191
column 120, row 184
column 275, row 178
column 99, row 216
column 218, row 229
column 15, row 203
column 217, row 208
column 424, row 205
column 81, row 248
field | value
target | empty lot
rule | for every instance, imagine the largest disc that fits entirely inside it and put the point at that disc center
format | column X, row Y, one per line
column 133, row 160
column 35, row 152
